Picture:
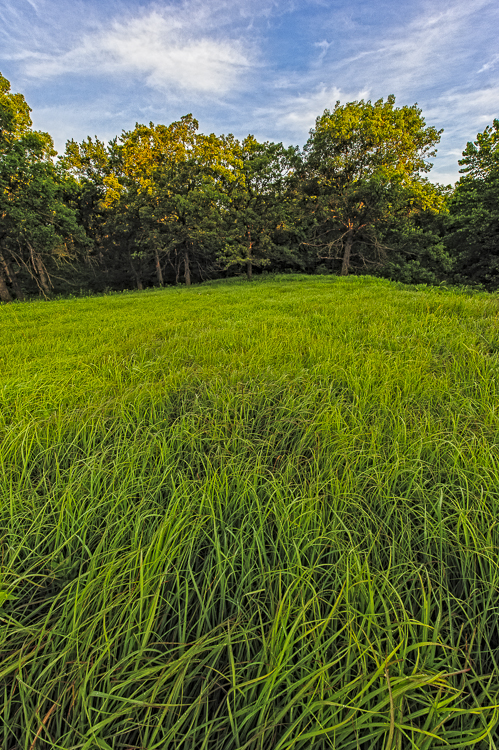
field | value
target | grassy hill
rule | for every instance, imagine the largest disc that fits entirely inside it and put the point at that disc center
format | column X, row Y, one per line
column 250, row 516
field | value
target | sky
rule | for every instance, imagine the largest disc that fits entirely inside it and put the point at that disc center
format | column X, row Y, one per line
column 266, row 67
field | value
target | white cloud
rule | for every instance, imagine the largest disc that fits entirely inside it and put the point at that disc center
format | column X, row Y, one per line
column 269, row 66
column 82, row 120
column 465, row 109
column 297, row 114
column 422, row 53
column 463, row 114
column 323, row 46
column 406, row 60
column 430, row 59
column 489, row 65
column 165, row 48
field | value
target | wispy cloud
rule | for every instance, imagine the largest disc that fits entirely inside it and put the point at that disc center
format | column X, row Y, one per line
column 265, row 66
column 33, row 5
column 419, row 54
column 323, row 46
column 489, row 65
column 161, row 47
column 481, row 104
column 296, row 114
column 429, row 59
column 80, row 121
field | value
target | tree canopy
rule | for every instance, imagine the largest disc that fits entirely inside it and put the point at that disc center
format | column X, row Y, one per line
column 363, row 168
column 166, row 204
column 475, row 210
column 38, row 229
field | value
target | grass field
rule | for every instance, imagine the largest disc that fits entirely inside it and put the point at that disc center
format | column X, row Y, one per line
column 255, row 517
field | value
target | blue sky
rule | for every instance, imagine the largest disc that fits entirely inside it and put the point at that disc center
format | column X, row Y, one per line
column 266, row 67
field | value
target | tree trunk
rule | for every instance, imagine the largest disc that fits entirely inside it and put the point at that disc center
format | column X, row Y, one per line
column 11, row 276
column 187, row 268
column 4, row 290
column 44, row 282
column 249, row 260
column 347, row 251
column 159, row 272
column 177, row 267
column 135, row 273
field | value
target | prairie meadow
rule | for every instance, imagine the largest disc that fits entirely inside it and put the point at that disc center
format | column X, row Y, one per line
column 250, row 516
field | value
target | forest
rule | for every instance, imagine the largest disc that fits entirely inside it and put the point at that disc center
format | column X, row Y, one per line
column 165, row 204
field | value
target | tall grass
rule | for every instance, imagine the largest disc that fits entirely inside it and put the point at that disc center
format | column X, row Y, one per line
column 250, row 516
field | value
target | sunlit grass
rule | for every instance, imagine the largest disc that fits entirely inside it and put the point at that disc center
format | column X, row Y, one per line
column 250, row 516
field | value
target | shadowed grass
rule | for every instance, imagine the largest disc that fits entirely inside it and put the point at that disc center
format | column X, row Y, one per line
column 250, row 516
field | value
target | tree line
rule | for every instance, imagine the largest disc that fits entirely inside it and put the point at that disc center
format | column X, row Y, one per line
column 162, row 205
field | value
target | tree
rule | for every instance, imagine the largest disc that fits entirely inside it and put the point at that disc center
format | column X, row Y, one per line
column 86, row 166
column 475, row 210
column 37, row 229
column 363, row 166
column 167, row 187
column 186, row 217
column 189, row 198
column 418, row 253
column 257, row 204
